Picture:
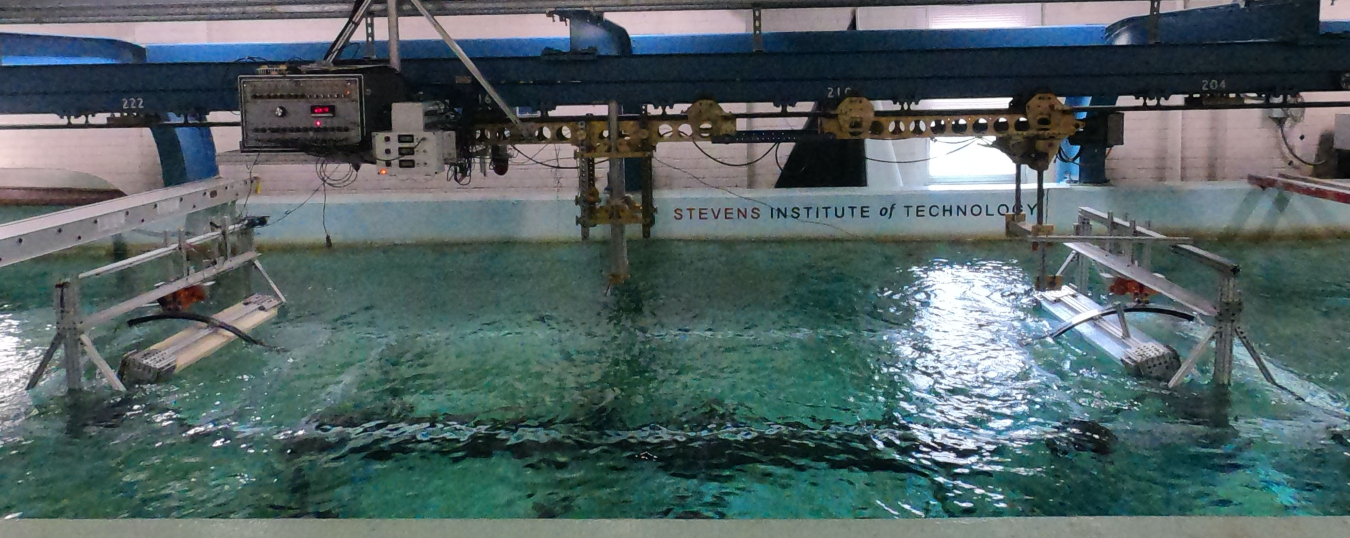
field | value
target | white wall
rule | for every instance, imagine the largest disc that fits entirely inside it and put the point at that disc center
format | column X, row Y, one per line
column 1185, row 146
column 126, row 158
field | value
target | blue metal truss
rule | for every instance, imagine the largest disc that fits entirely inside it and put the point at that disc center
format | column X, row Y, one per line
column 542, row 83
column 795, row 68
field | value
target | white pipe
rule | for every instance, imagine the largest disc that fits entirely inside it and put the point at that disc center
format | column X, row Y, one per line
column 395, row 58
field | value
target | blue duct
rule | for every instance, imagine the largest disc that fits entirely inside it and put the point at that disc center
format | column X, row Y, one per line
column 1258, row 20
column 30, row 49
column 1068, row 171
column 185, row 153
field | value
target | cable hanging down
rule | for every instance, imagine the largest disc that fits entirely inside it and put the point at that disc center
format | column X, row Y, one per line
column 1284, row 137
column 924, row 160
column 321, row 170
column 736, row 165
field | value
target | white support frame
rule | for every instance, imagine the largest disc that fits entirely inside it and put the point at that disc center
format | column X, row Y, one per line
column 27, row 239
column 1116, row 252
column 73, row 325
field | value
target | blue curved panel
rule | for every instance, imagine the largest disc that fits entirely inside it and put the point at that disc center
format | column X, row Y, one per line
column 774, row 42
column 185, row 153
column 30, row 49
column 284, row 52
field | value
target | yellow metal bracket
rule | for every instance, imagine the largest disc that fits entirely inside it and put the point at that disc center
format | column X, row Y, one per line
column 1030, row 134
column 701, row 122
column 624, row 211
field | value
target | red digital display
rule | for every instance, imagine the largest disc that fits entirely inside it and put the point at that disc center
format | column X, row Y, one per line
column 321, row 111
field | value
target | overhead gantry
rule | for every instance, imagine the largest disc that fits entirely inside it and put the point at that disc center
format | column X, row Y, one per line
column 1030, row 132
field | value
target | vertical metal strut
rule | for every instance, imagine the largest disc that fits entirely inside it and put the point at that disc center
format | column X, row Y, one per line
column 618, row 245
column 345, row 36
column 1226, row 325
column 648, row 198
column 468, row 64
column 68, row 332
column 395, row 55
column 1040, row 224
column 587, row 195
column 370, row 38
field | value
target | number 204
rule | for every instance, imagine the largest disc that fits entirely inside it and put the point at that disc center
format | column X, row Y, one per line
column 1213, row 85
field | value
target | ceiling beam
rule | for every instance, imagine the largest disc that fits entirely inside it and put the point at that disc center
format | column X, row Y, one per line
column 87, row 11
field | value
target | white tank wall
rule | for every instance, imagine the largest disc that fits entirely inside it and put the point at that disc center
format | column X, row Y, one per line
column 1209, row 209
column 1172, row 146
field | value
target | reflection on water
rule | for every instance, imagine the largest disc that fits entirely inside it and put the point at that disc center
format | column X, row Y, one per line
column 727, row 380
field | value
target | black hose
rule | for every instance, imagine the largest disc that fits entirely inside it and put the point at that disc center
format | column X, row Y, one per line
column 208, row 320
column 1090, row 316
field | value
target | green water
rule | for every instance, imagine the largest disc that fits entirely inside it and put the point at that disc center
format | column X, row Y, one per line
column 734, row 380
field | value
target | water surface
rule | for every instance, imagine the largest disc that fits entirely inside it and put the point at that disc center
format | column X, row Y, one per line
column 737, row 380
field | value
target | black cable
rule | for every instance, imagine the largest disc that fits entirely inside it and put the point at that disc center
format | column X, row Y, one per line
column 556, row 167
column 321, row 170
column 516, row 151
column 1107, row 311
column 327, row 237
column 734, row 165
column 297, row 208
column 968, row 144
column 542, row 163
column 1284, row 136
column 453, row 175
column 1064, row 157
column 208, row 320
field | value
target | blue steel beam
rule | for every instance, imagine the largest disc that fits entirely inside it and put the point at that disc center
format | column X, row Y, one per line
column 802, row 75
column 1146, row 71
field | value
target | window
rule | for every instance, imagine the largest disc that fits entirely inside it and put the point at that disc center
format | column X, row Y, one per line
column 954, row 17
column 920, row 162
column 972, row 160
column 968, row 159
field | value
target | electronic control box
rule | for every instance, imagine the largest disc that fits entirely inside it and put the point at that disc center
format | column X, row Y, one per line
column 316, row 113
column 414, row 154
